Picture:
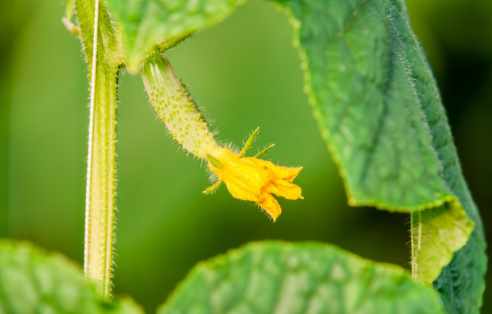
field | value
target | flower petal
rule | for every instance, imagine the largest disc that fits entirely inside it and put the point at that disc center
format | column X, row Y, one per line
column 271, row 206
column 253, row 179
column 286, row 190
column 240, row 191
column 287, row 173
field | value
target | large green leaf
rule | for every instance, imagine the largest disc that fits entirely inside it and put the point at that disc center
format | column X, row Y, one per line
column 32, row 281
column 380, row 112
column 299, row 278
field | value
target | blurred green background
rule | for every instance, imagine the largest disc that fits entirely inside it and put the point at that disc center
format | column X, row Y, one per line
column 244, row 73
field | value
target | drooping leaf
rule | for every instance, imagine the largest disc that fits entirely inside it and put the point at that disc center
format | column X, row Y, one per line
column 274, row 277
column 32, row 281
column 380, row 112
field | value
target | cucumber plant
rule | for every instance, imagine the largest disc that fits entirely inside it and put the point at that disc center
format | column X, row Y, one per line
column 378, row 110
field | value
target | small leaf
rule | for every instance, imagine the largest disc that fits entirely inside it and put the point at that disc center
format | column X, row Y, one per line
column 32, row 281
column 150, row 24
column 273, row 277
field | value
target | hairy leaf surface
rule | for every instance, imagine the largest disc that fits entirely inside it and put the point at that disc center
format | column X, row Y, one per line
column 273, row 277
column 32, row 281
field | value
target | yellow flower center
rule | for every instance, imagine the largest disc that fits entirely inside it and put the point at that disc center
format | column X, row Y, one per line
column 256, row 180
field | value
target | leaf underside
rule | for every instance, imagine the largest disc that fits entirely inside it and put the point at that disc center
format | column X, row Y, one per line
column 32, row 281
column 272, row 277
column 379, row 111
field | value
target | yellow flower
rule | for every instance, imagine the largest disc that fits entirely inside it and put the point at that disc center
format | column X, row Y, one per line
column 246, row 178
column 256, row 180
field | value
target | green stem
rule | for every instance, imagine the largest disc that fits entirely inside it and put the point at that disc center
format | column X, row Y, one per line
column 101, row 181
column 97, row 37
column 415, row 242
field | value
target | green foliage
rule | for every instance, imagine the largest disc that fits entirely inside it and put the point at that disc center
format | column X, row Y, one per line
column 149, row 24
column 379, row 111
column 461, row 283
column 272, row 277
column 32, row 281
column 266, row 277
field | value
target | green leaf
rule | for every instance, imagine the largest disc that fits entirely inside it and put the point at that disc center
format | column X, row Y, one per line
column 150, row 24
column 380, row 112
column 461, row 283
column 274, row 277
column 32, row 281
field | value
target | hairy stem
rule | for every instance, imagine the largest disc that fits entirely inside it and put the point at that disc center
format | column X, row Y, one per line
column 415, row 241
column 101, row 180
column 97, row 39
